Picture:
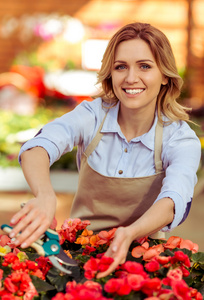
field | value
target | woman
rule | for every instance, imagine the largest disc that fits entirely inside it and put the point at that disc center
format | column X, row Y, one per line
column 137, row 156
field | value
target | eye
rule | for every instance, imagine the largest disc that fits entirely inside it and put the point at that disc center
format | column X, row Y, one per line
column 120, row 67
column 145, row 66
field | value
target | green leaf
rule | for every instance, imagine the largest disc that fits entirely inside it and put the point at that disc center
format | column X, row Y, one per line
column 41, row 285
column 198, row 257
column 58, row 280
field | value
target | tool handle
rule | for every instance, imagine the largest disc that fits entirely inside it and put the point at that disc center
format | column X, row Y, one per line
column 39, row 249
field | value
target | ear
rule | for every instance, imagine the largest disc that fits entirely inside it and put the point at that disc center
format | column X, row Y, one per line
column 164, row 80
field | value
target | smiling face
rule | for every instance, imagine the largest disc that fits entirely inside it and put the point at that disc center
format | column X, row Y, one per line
column 136, row 78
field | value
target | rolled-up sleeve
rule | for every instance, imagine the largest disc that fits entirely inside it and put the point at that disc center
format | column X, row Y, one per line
column 61, row 135
column 181, row 158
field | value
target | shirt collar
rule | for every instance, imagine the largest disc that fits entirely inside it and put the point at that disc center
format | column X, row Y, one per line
column 111, row 125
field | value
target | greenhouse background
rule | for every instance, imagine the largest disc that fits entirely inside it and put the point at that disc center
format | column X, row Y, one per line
column 50, row 52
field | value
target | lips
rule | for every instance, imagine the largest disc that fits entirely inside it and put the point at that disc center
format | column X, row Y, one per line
column 133, row 91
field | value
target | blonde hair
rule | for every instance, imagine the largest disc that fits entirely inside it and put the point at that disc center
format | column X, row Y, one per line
column 163, row 55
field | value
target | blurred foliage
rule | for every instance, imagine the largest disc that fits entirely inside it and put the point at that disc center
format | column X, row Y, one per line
column 15, row 129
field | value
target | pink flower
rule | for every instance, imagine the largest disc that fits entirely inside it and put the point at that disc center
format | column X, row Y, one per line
column 175, row 274
column 106, row 236
column 187, row 244
column 4, row 240
column 69, row 229
column 135, row 281
column 30, row 292
column 53, row 224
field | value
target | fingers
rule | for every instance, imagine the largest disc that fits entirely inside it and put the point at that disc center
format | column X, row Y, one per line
column 117, row 250
column 31, row 222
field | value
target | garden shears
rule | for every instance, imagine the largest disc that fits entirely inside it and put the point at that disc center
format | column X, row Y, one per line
column 48, row 246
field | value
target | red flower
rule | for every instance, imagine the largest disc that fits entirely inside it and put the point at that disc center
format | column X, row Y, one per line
column 179, row 256
column 88, row 291
column 181, row 290
column 88, row 250
column 152, row 298
column 112, row 285
column 104, row 263
column 91, row 267
column 119, row 286
column 124, row 287
column 133, row 267
column 185, row 272
column 1, row 275
column 94, row 286
column 8, row 284
column 152, row 266
column 44, row 264
column 59, row 296
column 10, row 259
column 121, row 274
column 163, row 260
column 95, row 265
column 195, row 294
column 150, row 286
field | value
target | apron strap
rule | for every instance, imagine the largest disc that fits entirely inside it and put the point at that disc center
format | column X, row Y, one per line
column 158, row 147
column 95, row 140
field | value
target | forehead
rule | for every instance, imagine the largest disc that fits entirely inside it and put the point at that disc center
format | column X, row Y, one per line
column 137, row 48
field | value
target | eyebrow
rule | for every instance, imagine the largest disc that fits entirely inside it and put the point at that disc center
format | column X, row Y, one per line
column 138, row 61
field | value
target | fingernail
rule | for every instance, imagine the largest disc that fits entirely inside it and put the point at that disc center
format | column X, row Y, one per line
column 12, row 234
column 12, row 221
column 115, row 248
column 24, row 245
column 16, row 242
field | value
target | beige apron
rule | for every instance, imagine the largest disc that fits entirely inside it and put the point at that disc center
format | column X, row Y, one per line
column 109, row 202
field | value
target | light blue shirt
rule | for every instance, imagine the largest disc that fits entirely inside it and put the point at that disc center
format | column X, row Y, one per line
column 180, row 154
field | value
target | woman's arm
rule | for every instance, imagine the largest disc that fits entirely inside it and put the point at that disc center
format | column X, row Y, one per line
column 156, row 217
column 37, row 215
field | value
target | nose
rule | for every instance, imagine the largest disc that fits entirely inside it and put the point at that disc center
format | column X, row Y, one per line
column 132, row 76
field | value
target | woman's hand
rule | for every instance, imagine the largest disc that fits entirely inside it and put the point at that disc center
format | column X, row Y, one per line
column 33, row 220
column 118, row 249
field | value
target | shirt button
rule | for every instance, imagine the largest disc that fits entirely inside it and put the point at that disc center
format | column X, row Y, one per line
column 126, row 150
column 120, row 172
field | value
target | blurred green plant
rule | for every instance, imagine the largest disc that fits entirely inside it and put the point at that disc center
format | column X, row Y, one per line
column 16, row 129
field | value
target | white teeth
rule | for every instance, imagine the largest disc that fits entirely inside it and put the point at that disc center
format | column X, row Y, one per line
column 133, row 91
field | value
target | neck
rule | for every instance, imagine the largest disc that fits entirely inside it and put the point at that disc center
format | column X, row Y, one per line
column 133, row 123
